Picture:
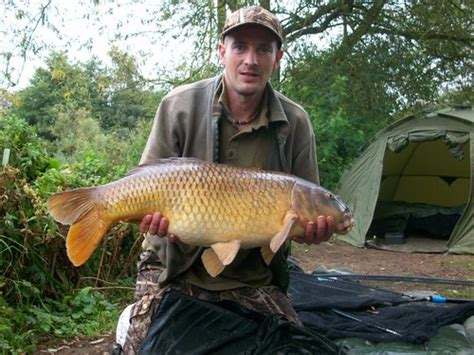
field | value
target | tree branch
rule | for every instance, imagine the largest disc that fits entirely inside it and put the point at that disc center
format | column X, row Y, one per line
column 350, row 41
column 299, row 26
column 390, row 30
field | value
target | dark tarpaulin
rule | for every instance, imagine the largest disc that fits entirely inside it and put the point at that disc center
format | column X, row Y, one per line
column 330, row 309
column 186, row 325
column 342, row 309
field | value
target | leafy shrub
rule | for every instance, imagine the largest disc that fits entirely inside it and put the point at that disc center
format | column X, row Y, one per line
column 87, row 312
column 337, row 138
column 93, row 126
column 27, row 152
column 37, row 281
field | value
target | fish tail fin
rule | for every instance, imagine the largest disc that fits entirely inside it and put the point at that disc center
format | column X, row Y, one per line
column 78, row 207
column 70, row 206
column 84, row 236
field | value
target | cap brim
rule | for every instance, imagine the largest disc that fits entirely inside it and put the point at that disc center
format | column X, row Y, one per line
column 238, row 25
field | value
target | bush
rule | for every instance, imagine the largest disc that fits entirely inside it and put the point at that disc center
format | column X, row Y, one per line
column 337, row 138
column 37, row 282
column 93, row 126
column 87, row 312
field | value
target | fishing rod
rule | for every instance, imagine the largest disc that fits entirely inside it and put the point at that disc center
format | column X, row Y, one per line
column 438, row 299
column 367, row 323
column 408, row 297
column 396, row 278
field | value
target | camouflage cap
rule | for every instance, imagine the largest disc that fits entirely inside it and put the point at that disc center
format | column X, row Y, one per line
column 254, row 15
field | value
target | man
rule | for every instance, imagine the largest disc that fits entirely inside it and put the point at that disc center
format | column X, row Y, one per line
column 235, row 119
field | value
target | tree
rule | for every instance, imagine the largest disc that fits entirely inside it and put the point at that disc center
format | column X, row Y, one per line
column 129, row 97
column 440, row 32
column 116, row 97
column 380, row 59
column 59, row 84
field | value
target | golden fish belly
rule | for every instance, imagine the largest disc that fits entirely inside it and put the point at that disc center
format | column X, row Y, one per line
column 205, row 204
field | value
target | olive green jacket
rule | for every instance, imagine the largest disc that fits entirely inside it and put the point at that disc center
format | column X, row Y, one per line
column 187, row 124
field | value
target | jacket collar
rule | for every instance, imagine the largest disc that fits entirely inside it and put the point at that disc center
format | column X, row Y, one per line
column 276, row 112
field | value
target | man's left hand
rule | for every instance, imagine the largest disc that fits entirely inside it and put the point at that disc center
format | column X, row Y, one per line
column 317, row 232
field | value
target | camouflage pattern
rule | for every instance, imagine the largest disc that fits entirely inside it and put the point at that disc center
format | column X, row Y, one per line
column 149, row 270
column 266, row 300
column 254, row 15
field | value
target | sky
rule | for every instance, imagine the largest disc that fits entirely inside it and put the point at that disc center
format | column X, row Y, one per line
column 83, row 30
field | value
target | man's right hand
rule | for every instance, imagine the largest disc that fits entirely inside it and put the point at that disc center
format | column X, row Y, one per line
column 156, row 224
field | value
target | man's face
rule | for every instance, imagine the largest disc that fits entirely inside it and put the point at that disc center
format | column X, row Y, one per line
column 249, row 54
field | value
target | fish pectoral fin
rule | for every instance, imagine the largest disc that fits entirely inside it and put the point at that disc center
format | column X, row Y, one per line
column 226, row 251
column 211, row 262
column 267, row 254
column 279, row 238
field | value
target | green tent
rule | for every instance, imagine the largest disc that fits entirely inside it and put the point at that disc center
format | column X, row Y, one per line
column 421, row 165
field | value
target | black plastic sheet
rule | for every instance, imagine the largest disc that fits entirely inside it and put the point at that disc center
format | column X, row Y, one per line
column 185, row 325
column 330, row 310
column 343, row 309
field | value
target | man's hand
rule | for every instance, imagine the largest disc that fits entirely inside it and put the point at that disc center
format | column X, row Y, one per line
column 156, row 224
column 317, row 232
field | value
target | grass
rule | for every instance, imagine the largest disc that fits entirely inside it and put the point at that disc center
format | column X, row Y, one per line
column 469, row 265
column 87, row 312
column 462, row 292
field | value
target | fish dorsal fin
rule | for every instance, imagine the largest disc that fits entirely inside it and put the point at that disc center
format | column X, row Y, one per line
column 267, row 254
column 279, row 238
column 226, row 251
column 172, row 160
column 256, row 168
column 211, row 262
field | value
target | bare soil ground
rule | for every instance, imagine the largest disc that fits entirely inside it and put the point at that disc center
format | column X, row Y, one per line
column 375, row 261
column 333, row 255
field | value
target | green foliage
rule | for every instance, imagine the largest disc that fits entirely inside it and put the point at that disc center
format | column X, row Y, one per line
column 339, row 129
column 26, row 151
column 333, row 154
column 85, row 312
column 128, row 99
column 13, row 339
column 36, row 276
column 76, row 132
column 60, row 83
column 28, row 239
column 24, row 222
column 95, row 124
column 115, row 98
column 32, row 244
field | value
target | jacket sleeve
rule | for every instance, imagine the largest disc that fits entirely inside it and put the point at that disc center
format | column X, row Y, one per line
column 305, row 164
column 163, row 141
column 304, row 161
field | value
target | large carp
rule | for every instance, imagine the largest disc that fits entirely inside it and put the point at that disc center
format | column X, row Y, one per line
column 211, row 205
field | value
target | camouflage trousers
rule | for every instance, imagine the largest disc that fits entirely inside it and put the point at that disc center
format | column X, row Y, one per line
column 148, row 294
